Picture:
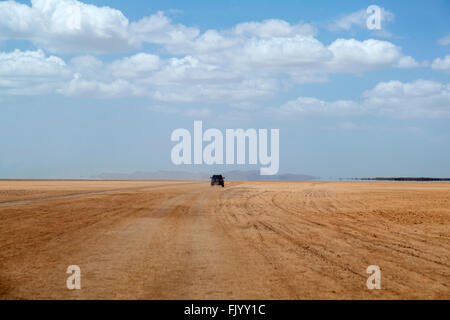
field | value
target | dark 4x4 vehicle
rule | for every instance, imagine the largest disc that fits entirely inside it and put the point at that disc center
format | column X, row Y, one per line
column 217, row 179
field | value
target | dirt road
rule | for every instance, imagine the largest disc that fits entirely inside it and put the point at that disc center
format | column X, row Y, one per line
column 249, row 240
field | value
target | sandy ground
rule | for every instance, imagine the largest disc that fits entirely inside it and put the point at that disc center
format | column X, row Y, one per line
column 249, row 240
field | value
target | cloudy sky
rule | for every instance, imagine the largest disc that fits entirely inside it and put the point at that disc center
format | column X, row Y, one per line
column 103, row 90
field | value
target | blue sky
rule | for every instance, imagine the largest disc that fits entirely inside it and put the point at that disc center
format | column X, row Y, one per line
column 105, row 96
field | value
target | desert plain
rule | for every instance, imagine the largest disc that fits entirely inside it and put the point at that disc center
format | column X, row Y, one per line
column 249, row 240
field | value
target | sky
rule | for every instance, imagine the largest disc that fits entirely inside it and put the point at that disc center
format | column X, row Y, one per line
column 99, row 86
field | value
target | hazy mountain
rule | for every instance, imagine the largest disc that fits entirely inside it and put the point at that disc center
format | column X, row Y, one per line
column 185, row 175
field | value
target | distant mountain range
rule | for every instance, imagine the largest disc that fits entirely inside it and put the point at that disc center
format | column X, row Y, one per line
column 252, row 175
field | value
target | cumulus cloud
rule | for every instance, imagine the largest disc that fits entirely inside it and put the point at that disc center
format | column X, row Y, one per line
column 173, row 79
column 31, row 72
column 418, row 99
column 136, row 66
column 92, row 88
column 53, row 25
column 350, row 55
column 243, row 64
column 274, row 28
column 408, row 62
column 71, row 26
column 300, row 56
column 30, row 63
column 421, row 98
column 441, row 64
column 89, row 66
column 314, row 106
column 236, row 76
column 159, row 29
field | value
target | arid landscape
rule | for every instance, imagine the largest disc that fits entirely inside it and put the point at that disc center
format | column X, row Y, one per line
column 249, row 240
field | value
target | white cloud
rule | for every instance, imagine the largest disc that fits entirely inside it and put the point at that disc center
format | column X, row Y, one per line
column 441, row 64
column 16, row 20
column 237, row 76
column 282, row 52
column 418, row 99
column 444, row 41
column 274, row 28
column 301, row 56
column 138, row 65
column 351, row 55
column 174, row 79
column 359, row 19
column 31, row 72
column 30, row 63
column 421, row 98
column 314, row 106
column 91, row 88
column 158, row 29
column 271, row 45
column 408, row 62
column 244, row 64
column 72, row 26
column 347, row 22
column 89, row 66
